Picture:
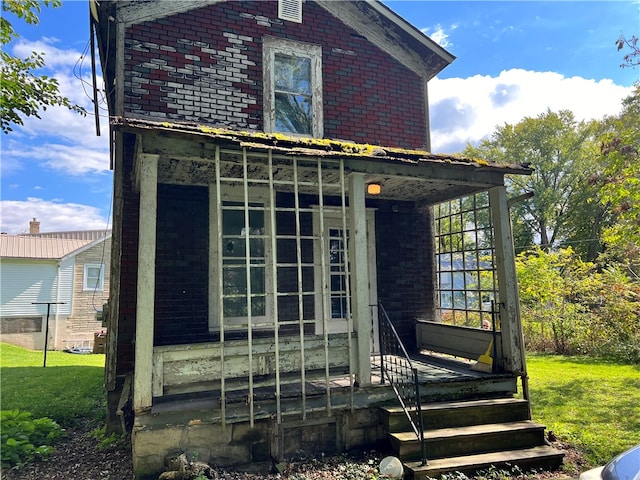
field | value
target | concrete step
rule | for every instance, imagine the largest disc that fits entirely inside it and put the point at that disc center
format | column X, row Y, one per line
column 456, row 441
column 541, row 457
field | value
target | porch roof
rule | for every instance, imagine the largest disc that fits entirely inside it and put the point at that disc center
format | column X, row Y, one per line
column 403, row 173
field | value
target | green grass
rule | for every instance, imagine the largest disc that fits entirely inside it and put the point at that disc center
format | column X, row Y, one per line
column 70, row 387
column 591, row 404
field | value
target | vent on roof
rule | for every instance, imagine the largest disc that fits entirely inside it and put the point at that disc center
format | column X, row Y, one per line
column 290, row 10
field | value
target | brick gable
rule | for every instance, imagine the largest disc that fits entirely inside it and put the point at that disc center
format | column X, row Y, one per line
column 205, row 66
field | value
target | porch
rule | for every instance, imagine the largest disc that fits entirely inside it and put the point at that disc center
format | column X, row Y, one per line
column 441, row 378
column 261, row 262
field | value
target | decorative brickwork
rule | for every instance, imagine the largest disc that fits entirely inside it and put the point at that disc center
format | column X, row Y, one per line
column 205, row 67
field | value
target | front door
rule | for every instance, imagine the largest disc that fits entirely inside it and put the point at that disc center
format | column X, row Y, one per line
column 332, row 273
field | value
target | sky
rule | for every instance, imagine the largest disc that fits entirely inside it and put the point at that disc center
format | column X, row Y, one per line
column 514, row 59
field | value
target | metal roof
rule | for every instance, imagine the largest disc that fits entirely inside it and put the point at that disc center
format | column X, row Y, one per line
column 25, row 246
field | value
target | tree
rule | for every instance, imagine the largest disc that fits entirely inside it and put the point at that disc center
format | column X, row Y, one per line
column 620, row 159
column 558, row 149
column 631, row 59
column 23, row 92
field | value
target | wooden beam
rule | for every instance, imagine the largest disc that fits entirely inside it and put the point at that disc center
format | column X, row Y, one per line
column 358, row 260
column 199, row 148
column 509, row 306
column 143, row 371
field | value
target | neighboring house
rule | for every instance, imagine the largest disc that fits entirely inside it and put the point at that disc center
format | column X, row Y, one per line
column 273, row 190
column 68, row 269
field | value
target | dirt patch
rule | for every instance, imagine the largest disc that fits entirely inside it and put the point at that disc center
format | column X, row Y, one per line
column 80, row 456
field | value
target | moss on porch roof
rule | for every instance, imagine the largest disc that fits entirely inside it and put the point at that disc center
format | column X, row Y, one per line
column 312, row 146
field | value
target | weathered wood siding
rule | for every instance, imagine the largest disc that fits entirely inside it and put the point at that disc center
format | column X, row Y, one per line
column 198, row 368
column 465, row 342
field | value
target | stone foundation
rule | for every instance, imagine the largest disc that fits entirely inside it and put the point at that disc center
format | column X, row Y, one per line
column 241, row 446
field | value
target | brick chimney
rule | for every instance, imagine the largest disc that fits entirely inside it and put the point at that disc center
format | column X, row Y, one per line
column 34, row 227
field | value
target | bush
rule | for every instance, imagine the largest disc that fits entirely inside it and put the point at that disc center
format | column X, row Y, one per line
column 572, row 307
column 24, row 438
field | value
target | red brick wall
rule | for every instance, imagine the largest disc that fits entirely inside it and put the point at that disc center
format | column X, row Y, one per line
column 404, row 242
column 182, row 265
column 127, row 262
column 205, row 66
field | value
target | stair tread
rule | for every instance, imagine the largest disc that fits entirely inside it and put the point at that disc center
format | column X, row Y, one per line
column 460, row 404
column 484, row 460
column 469, row 430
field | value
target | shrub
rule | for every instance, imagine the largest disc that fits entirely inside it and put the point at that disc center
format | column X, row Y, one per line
column 24, row 438
column 573, row 307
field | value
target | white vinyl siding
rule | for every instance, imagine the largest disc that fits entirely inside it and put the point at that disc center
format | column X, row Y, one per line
column 25, row 282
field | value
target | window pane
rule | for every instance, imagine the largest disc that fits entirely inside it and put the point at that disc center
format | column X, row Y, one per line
column 338, row 307
column 292, row 74
column 92, row 280
column 235, row 290
column 234, row 276
column 292, row 94
column 293, row 113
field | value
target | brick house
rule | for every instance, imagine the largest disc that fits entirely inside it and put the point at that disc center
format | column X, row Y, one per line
column 274, row 225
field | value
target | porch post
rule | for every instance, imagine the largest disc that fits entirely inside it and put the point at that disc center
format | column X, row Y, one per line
column 142, row 377
column 509, row 306
column 358, row 261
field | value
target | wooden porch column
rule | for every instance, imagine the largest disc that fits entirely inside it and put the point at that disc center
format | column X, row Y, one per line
column 509, row 307
column 358, row 261
column 147, row 176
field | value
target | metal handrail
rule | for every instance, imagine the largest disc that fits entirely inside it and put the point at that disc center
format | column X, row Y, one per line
column 397, row 368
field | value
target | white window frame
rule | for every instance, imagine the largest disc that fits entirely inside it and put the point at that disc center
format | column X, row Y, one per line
column 272, row 46
column 290, row 10
column 100, row 286
column 332, row 218
column 235, row 194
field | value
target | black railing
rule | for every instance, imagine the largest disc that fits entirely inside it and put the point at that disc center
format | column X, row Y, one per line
column 397, row 369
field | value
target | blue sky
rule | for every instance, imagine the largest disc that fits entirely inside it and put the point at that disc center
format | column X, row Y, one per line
column 514, row 59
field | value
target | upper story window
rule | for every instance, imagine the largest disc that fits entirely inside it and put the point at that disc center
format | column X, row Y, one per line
column 93, row 277
column 292, row 87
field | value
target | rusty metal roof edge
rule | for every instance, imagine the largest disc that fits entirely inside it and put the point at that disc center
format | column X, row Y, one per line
column 307, row 146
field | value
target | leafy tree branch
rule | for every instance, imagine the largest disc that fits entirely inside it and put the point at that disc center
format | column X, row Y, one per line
column 23, row 91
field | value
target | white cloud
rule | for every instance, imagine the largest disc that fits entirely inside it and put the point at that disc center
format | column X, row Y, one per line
column 467, row 110
column 439, row 35
column 74, row 160
column 54, row 58
column 61, row 139
column 52, row 215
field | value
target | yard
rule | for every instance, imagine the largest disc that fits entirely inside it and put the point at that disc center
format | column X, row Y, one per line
column 589, row 405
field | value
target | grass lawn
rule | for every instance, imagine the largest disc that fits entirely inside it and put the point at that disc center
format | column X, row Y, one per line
column 591, row 404
column 70, row 387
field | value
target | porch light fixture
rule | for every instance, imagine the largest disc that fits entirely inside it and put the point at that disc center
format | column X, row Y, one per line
column 373, row 189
